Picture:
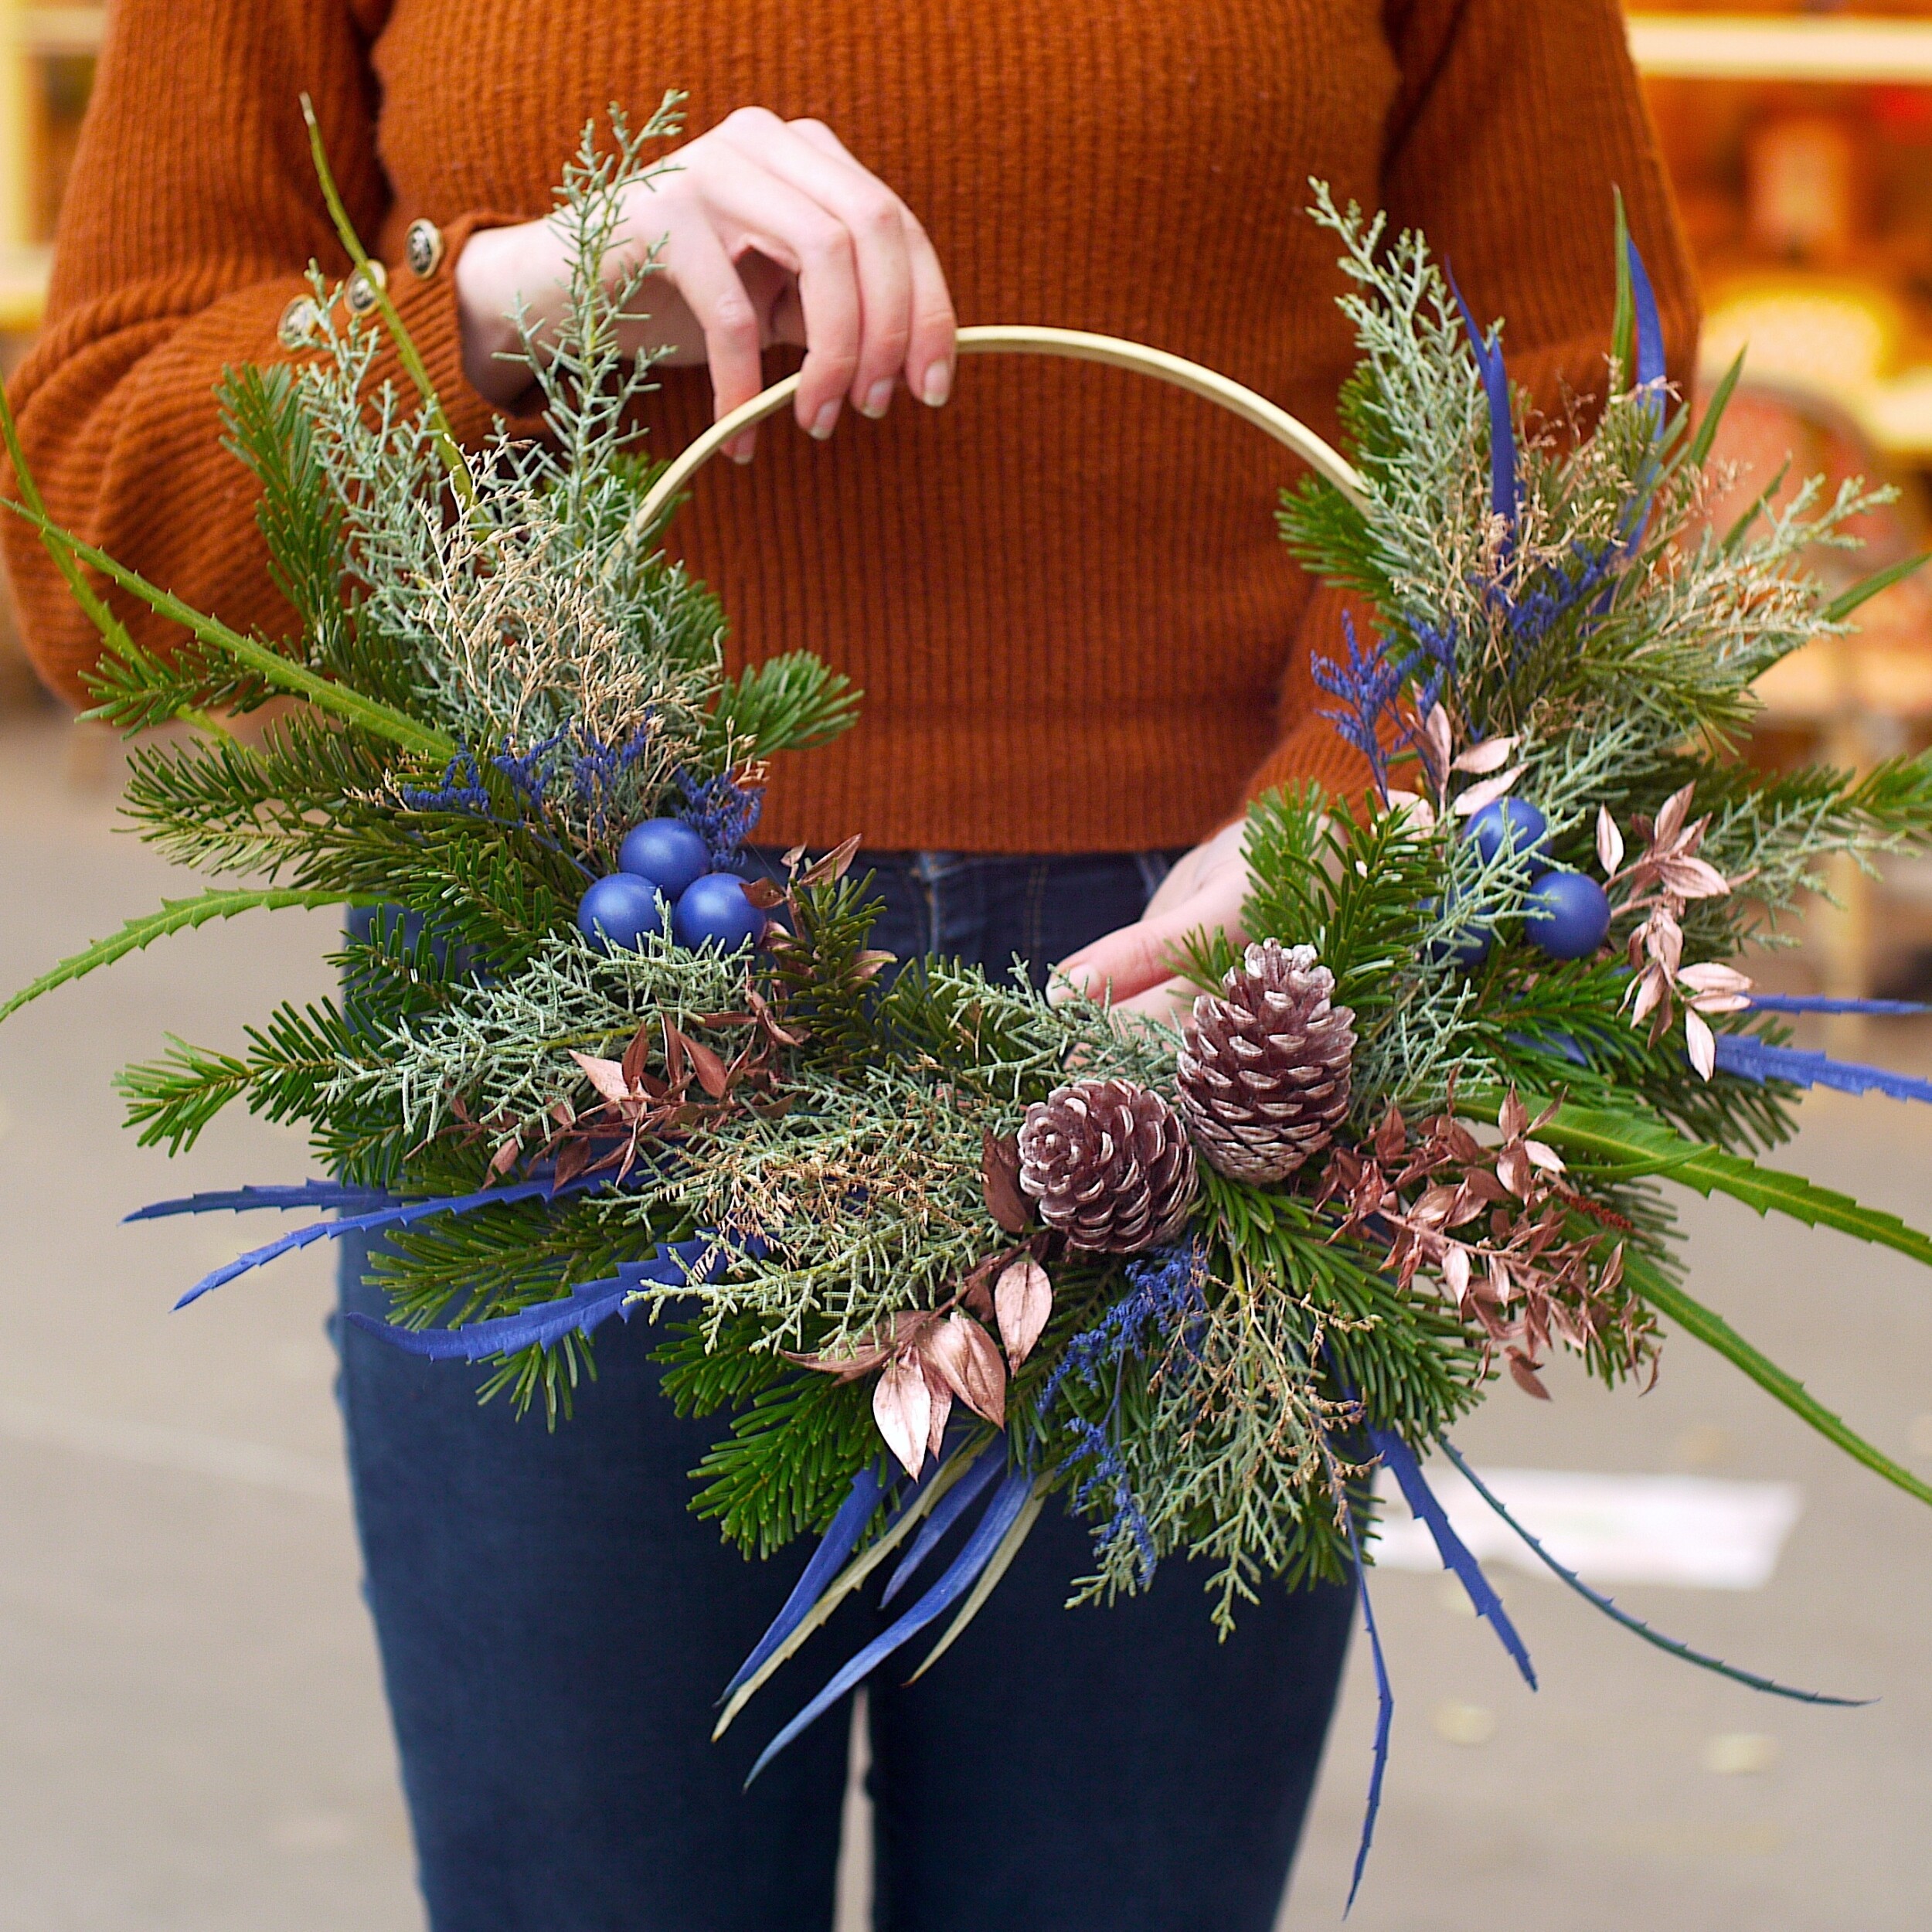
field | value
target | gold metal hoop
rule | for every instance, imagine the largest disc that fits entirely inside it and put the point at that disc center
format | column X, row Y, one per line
column 1015, row 339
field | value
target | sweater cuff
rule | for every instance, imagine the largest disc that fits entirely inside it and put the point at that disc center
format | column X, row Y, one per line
column 1313, row 749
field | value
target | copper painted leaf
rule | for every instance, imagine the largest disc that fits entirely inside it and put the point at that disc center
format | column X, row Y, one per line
column 764, row 893
column 1467, row 804
column 1610, row 842
column 1514, row 1116
column 1702, row 1042
column 968, row 1358
column 940, row 1396
column 999, row 1168
column 1526, row 1377
column 821, row 871
column 712, row 1075
column 902, row 1406
column 637, row 1057
column 605, row 1075
column 1491, row 755
column 1022, row 1300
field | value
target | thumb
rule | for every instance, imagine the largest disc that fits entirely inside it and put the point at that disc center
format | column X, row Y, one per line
column 1125, row 963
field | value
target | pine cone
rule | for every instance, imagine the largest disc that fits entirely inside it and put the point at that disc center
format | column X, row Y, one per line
column 1264, row 1071
column 1110, row 1165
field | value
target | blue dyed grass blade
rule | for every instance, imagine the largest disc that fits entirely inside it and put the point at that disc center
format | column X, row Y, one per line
column 925, row 1494
column 397, row 1215
column 241, row 1200
column 1008, row 1500
column 983, row 1468
column 586, row 1307
column 854, row 1513
column 1636, row 1625
column 1401, row 1463
column 1650, row 327
column 1385, row 1719
column 1819, row 1003
column 1756, row 1059
column 1502, row 440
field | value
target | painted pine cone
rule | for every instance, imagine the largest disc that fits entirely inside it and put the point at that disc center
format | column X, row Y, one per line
column 1262, row 1070
column 1109, row 1164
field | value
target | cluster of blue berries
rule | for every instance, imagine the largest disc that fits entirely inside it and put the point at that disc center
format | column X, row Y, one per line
column 663, row 885
column 1567, row 914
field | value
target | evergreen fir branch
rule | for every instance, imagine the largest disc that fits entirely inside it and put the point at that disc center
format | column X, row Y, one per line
column 792, row 702
column 173, row 1099
column 176, row 915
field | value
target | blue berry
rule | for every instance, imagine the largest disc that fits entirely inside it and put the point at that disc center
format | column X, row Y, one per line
column 1567, row 914
column 1468, row 945
column 620, row 910
column 715, row 909
column 665, row 851
column 1514, row 824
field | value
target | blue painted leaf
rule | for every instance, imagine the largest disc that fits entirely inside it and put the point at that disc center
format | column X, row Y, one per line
column 1400, row 1461
column 1636, row 1625
column 1502, row 440
column 1385, row 1718
column 587, row 1306
column 946, row 1511
column 397, row 1215
column 1650, row 327
column 1008, row 1500
column 1815, row 1003
column 1756, row 1059
column 241, row 1200
column 854, row 1513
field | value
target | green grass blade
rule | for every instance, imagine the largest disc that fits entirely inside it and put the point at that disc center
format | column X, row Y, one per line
column 1623, row 326
column 1700, row 444
column 1715, row 1332
column 381, row 720
column 407, row 353
column 175, row 916
column 1842, row 606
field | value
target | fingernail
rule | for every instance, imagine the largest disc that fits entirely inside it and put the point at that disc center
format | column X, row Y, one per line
column 822, row 423
column 878, row 399
column 938, row 384
column 741, row 448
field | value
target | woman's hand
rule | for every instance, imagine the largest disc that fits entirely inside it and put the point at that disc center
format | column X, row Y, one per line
column 1132, row 966
column 771, row 232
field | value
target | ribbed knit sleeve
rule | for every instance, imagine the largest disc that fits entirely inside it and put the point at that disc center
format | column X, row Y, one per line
column 1512, row 125
column 189, row 225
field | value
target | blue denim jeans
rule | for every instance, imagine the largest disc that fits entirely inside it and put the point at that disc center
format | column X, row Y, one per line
column 556, row 1626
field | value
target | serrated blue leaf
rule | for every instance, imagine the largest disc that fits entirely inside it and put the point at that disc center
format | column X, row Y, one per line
column 1636, row 1625
column 1385, row 1718
column 1756, row 1059
column 586, row 1307
column 1819, row 1003
column 395, row 1215
column 1399, row 1460
column 1008, row 1500
column 243, row 1200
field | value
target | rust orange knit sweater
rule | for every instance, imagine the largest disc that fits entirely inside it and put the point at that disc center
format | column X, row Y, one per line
column 1063, row 595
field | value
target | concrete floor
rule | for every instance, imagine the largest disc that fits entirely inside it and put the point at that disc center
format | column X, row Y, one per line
column 191, row 1736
